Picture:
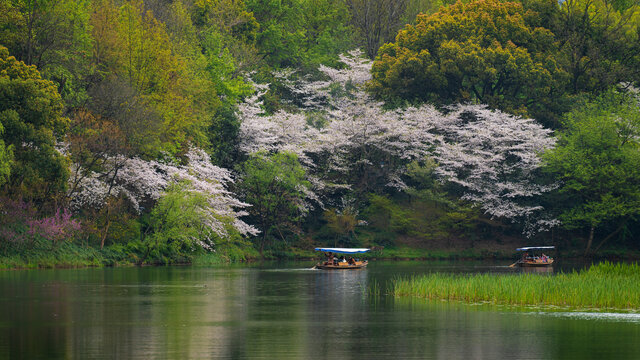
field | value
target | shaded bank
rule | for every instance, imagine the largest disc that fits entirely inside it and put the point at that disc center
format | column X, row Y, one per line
column 42, row 254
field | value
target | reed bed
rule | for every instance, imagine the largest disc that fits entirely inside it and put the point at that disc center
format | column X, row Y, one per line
column 603, row 286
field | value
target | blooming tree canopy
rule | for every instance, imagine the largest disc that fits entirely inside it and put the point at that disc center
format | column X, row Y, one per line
column 491, row 155
column 141, row 180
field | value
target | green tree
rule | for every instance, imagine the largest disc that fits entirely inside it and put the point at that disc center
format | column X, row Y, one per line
column 598, row 161
column 275, row 187
column 6, row 158
column 163, row 75
column 281, row 34
column 377, row 21
column 178, row 225
column 53, row 35
column 327, row 31
column 31, row 114
column 415, row 7
column 341, row 223
column 232, row 21
column 600, row 43
column 484, row 51
column 301, row 33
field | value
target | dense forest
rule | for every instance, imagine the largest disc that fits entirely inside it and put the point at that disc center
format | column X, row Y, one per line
column 158, row 131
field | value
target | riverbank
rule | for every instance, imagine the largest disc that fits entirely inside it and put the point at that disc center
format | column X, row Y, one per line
column 72, row 255
column 69, row 255
column 602, row 286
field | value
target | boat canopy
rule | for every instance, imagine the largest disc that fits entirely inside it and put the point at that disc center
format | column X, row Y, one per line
column 343, row 250
column 535, row 248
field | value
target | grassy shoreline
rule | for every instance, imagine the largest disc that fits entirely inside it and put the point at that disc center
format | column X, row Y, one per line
column 602, row 286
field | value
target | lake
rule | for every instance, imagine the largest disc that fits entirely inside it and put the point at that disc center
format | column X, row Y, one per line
column 284, row 311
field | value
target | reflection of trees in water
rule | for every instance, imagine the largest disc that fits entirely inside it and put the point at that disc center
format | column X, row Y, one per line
column 335, row 311
column 289, row 312
column 26, row 300
column 128, row 313
column 249, row 313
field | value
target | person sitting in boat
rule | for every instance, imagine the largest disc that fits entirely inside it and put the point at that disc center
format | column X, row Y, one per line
column 329, row 256
column 545, row 258
column 351, row 261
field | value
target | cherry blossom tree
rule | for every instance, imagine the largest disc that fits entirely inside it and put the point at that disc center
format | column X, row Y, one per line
column 143, row 181
column 360, row 147
column 494, row 158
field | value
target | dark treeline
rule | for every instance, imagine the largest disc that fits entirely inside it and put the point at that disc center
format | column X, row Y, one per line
column 131, row 131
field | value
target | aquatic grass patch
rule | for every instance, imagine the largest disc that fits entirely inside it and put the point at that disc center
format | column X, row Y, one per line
column 605, row 285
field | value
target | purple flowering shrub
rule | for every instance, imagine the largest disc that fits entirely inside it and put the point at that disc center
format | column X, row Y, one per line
column 56, row 228
column 20, row 225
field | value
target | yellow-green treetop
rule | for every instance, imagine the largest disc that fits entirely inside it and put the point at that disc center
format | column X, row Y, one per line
column 483, row 51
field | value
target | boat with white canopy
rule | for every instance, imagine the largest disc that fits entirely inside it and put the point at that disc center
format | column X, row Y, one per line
column 342, row 258
column 534, row 256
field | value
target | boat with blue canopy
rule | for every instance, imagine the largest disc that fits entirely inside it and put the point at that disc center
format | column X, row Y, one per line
column 342, row 258
column 534, row 256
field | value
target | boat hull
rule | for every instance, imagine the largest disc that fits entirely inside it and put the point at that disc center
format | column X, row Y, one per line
column 535, row 264
column 342, row 266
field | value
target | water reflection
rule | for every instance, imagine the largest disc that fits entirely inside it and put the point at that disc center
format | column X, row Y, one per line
column 284, row 312
column 537, row 270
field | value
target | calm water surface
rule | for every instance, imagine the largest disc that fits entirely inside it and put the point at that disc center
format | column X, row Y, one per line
column 283, row 311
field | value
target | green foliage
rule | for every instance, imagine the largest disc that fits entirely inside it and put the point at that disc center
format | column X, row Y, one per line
column 221, row 69
column 6, row 158
column 223, row 136
column 281, row 31
column 54, row 36
column 327, row 31
column 426, row 212
column 342, row 224
column 179, row 225
column 274, row 187
column 235, row 249
column 301, row 33
column 376, row 21
column 31, row 114
column 234, row 23
column 599, row 42
column 415, row 7
column 44, row 255
column 598, row 161
column 483, row 51
column 160, row 82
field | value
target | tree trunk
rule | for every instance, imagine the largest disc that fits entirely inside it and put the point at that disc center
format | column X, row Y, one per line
column 264, row 239
column 610, row 235
column 106, row 227
column 590, row 241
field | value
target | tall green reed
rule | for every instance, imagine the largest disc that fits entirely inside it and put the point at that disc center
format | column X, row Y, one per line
column 605, row 285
